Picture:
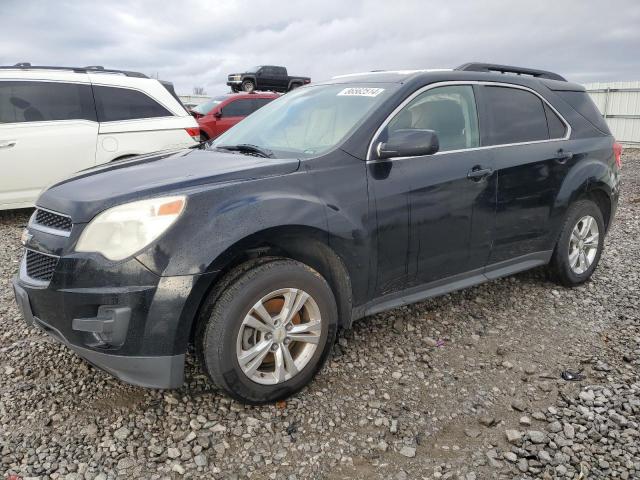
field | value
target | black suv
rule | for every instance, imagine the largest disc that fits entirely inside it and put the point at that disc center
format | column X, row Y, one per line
column 265, row 77
column 337, row 201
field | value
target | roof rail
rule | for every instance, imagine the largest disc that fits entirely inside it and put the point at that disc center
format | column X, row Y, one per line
column 491, row 68
column 91, row 68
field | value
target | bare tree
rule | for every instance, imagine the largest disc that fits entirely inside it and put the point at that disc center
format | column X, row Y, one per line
column 199, row 91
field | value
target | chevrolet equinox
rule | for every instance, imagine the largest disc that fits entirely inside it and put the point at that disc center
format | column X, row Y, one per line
column 336, row 201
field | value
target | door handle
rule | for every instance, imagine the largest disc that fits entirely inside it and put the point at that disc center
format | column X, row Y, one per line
column 478, row 173
column 8, row 143
column 562, row 156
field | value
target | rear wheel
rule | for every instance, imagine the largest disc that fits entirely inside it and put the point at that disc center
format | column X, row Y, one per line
column 579, row 246
column 269, row 332
column 248, row 86
column 294, row 86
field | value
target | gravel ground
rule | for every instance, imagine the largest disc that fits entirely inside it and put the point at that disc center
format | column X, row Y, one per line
column 466, row 386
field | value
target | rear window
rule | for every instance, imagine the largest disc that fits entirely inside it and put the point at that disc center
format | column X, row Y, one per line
column 114, row 104
column 45, row 101
column 515, row 116
column 582, row 103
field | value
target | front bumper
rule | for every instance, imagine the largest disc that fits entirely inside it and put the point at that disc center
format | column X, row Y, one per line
column 122, row 318
column 145, row 371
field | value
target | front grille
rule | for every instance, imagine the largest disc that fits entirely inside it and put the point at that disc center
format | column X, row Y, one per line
column 40, row 266
column 53, row 220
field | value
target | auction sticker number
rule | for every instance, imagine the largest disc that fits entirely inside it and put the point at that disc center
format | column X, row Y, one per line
column 361, row 92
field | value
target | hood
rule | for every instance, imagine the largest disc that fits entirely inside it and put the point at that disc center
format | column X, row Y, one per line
column 91, row 191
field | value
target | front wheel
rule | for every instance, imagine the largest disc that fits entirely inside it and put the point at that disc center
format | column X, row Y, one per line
column 579, row 246
column 267, row 334
column 248, row 86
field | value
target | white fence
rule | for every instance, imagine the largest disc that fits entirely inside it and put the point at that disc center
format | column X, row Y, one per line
column 619, row 103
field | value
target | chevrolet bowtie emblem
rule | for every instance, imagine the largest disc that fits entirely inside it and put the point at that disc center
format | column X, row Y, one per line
column 26, row 237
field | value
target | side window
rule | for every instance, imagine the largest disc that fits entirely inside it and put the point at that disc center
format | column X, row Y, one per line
column 113, row 104
column 280, row 71
column 557, row 129
column 515, row 116
column 45, row 101
column 449, row 111
column 258, row 103
column 238, row 108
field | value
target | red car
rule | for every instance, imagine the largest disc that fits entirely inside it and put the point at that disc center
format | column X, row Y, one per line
column 221, row 113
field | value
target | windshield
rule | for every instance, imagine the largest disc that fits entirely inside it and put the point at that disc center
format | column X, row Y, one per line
column 308, row 121
column 206, row 107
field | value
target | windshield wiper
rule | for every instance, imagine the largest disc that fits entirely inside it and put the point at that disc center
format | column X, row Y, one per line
column 247, row 148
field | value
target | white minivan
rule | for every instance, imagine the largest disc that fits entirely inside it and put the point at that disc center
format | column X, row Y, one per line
column 55, row 121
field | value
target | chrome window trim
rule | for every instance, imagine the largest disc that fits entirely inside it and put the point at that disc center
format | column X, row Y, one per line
column 32, row 225
column 485, row 147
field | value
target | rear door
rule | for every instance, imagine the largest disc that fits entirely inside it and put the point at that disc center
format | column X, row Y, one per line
column 132, row 123
column 48, row 131
column 529, row 153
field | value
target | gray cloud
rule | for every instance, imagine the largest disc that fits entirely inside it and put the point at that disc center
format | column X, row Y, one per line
column 198, row 42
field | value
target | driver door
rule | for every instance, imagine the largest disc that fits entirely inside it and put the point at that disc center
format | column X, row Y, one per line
column 435, row 212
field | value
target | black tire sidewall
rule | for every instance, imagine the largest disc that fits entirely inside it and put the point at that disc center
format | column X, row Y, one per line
column 561, row 255
column 221, row 333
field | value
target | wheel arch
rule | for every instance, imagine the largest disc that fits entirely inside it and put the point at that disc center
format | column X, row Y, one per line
column 586, row 180
column 305, row 244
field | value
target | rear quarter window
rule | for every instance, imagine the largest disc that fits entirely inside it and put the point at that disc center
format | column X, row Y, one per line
column 27, row 101
column 581, row 102
column 114, row 104
column 515, row 116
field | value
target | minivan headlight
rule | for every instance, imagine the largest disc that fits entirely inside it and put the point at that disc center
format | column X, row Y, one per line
column 121, row 231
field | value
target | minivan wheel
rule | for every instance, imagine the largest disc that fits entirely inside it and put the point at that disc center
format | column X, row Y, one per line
column 579, row 247
column 248, row 86
column 269, row 331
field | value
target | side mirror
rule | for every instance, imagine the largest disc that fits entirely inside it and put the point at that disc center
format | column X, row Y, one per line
column 217, row 114
column 409, row 143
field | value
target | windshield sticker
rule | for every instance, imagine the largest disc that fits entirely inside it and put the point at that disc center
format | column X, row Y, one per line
column 361, row 92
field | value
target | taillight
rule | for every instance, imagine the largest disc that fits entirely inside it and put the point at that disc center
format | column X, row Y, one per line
column 617, row 151
column 194, row 132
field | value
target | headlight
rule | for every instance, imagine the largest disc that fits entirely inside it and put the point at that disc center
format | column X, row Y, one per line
column 121, row 231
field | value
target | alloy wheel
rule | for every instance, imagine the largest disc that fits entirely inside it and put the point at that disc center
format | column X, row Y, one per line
column 583, row 244
column 278, row 336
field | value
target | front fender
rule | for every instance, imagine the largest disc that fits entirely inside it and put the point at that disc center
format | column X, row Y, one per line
column 218, row 218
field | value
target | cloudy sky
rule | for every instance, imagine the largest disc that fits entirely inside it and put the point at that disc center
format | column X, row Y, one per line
column 196, row 43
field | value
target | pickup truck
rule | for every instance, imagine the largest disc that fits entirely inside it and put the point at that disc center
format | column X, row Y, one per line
column 265, row 77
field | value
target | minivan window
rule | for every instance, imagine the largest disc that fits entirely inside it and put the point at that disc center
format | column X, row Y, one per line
column 238, row 108
column 515, row 115
column 114, row 104
column 45, row 101
column 449, row 111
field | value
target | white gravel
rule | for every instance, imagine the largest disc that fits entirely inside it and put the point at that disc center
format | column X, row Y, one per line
column 466, row 386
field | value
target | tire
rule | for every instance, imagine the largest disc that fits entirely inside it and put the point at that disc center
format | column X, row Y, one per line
column 294, row 86
column 567, row 269
column 248, row 86
column 223, row 337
